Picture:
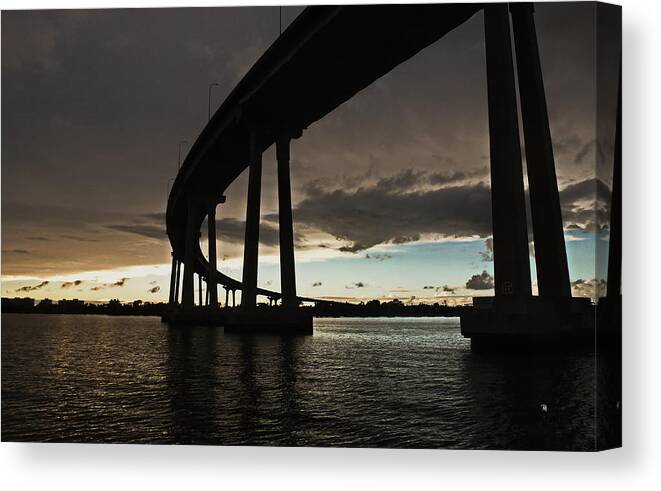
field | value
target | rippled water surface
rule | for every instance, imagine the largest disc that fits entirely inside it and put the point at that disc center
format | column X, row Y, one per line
column 355, row 382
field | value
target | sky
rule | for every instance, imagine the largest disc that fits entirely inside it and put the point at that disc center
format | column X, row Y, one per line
column 390, row 191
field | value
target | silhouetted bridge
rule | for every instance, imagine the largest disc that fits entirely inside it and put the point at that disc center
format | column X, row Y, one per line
column 326, row 56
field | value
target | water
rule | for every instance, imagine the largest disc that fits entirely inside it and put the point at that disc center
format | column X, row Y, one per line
column 355, row 382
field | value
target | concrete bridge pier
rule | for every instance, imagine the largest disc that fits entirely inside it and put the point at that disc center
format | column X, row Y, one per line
column 177, row 282
column 173, row 279
column 609, row 308
column 548, row 229
column 285, row 224
column 251, row 243
column 513, row 319
column 510, row 235
column 199, row 290
column 614, row 280
column 250, row 319
column 192, row 236
column 212, row 285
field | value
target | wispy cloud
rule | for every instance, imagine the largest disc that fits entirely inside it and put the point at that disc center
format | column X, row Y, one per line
column 119, row 283
column 29, row 288
column 69, row 284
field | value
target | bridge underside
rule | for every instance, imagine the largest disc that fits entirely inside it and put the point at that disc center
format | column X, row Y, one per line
column 325, row 57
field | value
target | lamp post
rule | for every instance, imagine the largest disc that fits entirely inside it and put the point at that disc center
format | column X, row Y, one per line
column 182, row 142
column 214, row 84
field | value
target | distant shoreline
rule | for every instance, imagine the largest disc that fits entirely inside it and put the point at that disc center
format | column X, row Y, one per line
column 320, row 315
column 373, row 308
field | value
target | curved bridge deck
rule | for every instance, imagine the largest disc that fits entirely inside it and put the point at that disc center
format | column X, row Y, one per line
column 327, row 55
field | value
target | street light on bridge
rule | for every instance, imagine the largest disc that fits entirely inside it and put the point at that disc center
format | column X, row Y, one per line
column 214, row 84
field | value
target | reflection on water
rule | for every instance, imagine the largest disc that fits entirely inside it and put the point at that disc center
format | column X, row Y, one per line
column 356, row 382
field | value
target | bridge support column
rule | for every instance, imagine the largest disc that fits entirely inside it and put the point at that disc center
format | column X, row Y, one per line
column 510, row 236
column 188, row 293
column 173, row 279
column 548, row 229
column 212, row 285
column 227, row 297
column 177, row 282
column 614, row 281
column 286, row 231
column 199, row 290
column 251, row 244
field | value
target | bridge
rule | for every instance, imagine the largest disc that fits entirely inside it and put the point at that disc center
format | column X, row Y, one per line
column 326, row 56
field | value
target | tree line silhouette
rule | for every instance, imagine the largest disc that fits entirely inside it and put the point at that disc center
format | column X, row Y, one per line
column 373, row 308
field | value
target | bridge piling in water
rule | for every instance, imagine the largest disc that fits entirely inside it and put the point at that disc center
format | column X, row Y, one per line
column 510, row 235
column 285, row 224
column 199, row 290
column 548, row 230
column 173, row 279
column 251, row 243
column 192, row 235
column 212, row 285
column 513, row 318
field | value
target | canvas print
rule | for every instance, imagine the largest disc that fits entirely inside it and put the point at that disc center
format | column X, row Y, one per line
column 393, row 226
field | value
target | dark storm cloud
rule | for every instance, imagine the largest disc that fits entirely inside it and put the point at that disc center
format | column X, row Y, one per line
column 41, row 239
column 585, row 205
column 230, row 230
column 589, row 189
column 357, row 284
column 154, row 289
column 233, row 231
column 482, row 281
column 389, row 212
column 401, row 181
column 29, row 288
column 316, row 283
column 384, row 213
column 451, row 177
column 125, row 86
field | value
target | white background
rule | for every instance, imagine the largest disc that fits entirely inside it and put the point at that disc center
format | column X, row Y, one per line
column 636, row 466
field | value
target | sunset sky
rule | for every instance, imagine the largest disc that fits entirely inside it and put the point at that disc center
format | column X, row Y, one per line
column 391, row 190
